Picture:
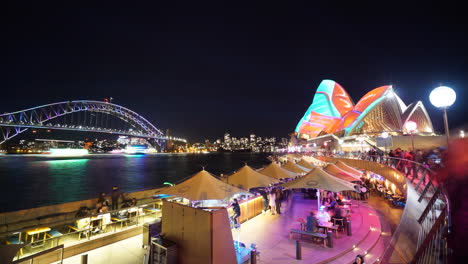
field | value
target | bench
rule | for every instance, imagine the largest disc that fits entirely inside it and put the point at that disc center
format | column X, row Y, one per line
column 311, row 234
column 121, row 219
column 76, row 229
column 152, row 210
column 53, row 233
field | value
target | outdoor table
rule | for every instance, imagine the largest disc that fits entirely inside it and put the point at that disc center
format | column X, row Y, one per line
column 37, row 232
column 328, row 226
column 347, row 208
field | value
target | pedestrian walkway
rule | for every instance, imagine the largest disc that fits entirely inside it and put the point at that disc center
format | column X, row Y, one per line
column 271, row 235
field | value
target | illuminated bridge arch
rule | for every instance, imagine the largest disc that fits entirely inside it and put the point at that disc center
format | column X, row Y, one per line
column 81, row 115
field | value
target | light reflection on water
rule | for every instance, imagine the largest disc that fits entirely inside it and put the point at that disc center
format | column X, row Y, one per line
column 28, row 181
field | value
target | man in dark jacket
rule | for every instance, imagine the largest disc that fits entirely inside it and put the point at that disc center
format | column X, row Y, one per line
column 237, row 212
column 115, row 198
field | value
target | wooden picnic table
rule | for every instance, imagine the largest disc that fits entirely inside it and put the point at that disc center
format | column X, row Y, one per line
column 329, row 226
column 37, row 232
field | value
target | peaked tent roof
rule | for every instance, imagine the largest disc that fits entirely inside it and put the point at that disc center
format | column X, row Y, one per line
column 348, row 168
column 306, row 164
column 247, row 178
column 202, row 186
column 291, row 166
column 275, row 171
column 319, row 179
column 339, row 173
column 314, row 161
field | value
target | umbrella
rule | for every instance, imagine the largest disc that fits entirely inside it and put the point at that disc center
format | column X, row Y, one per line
column 319, row 179
column 275, row 171
column 291, row 166
column 202, row 186
column 314, row 161
column 348, row 168
column 305, row 164
column 247, row 178
column 339, row 173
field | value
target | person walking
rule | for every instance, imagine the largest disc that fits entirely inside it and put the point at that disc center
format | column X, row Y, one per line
column 115, row 198
column 272, row 202
column 278, row 200
column 237, row 213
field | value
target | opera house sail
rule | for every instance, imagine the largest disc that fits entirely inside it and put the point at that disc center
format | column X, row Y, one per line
column 333, row 112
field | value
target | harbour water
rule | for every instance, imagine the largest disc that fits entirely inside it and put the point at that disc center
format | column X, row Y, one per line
column 28, row 181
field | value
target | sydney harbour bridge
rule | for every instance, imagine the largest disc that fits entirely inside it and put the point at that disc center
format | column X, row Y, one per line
column 85, row 116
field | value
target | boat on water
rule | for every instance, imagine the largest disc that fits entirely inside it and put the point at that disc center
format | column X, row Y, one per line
column 68, row 152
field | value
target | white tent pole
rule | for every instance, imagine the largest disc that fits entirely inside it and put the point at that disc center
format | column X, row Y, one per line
column 318, row 199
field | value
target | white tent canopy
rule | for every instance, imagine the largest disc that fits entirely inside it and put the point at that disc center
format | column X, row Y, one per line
column 348, row 168
column 319, row 179
column 247, row 178
column 291, row 166
column 275, row 171
column 339, row 173
column 202, row 186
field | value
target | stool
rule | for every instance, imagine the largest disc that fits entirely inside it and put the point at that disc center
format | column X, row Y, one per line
column 339, row 223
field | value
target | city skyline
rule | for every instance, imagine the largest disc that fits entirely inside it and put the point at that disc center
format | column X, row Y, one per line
column 200, row 71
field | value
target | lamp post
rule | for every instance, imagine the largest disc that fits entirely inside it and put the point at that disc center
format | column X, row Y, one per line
column 384, row 135
column 443, row 97
column 411, row 127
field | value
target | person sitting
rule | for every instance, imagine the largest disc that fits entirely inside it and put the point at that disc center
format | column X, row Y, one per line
column 339, row 198
column 323, row 217
column 332, row 205
column 337, row 214
column 359, row 259
column 312, row 223
column 133, row 202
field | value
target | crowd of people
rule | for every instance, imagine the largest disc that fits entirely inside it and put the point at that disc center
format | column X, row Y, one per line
column 432, row 159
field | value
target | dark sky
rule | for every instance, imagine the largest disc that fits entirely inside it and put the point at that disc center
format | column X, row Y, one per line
column 205, row 70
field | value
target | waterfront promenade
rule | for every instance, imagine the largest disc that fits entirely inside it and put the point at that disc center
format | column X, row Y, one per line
column 270, row 233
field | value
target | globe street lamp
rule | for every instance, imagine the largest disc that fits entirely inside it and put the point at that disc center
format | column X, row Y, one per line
column 443, row 97
column 411, row 127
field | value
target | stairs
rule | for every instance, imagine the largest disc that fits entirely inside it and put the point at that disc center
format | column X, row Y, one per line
column 369, row 245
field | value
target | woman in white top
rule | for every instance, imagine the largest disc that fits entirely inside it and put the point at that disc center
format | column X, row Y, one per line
column 272, row 202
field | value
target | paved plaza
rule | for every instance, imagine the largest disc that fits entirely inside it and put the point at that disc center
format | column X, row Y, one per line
column 371, row 232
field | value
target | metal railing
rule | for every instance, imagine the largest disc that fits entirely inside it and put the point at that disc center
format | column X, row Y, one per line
column 70, row 233
column 435, row 220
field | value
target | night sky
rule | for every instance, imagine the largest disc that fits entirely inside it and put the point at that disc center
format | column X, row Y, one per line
column 205, row 70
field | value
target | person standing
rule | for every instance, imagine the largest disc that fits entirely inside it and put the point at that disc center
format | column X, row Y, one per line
column 237, row 213
column 278, row 200
column 265, row 199
column 272, row 202
column 115, row 198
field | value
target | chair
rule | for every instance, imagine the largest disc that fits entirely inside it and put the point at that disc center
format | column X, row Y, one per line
column 339, row 223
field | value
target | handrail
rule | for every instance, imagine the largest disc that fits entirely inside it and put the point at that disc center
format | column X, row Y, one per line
column 59, row 222
column 32, row 257
column 431, row 231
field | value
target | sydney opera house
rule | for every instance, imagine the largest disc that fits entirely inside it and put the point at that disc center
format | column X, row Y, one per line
column 333, row 112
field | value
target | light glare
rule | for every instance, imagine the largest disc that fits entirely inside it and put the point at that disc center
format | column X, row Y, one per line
column 442, row 96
